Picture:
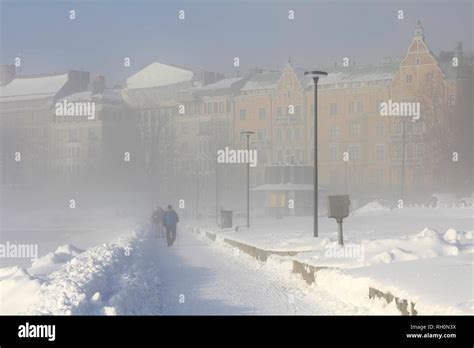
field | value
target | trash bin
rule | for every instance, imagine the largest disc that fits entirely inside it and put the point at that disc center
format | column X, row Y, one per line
column 226, row 218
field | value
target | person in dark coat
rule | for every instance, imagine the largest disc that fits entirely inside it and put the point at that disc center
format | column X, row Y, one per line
column 170, row 220
column 157, row 219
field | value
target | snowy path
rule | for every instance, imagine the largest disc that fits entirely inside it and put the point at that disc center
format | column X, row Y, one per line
column 210, row 281
column 139, row 274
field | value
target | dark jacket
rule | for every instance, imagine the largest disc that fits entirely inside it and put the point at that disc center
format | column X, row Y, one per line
column 158, row 215
column 170, row 218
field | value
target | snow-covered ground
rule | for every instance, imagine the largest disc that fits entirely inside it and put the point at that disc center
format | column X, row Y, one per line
column 296, row 233
column 417, row 254
column 112, row 278
column 422, row 255
column 138, row 274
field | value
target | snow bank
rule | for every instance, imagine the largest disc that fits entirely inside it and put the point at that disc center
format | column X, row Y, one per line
column 442, row 285
column 53, row 261
column 427, row 243
column 372, row 208
column 113, row 278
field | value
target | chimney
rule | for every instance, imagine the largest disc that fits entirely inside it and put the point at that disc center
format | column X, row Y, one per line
column 98, row 85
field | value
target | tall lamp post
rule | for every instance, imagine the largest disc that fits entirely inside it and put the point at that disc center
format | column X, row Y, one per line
column 315, row 75
column 217, row 172
column 248, row 134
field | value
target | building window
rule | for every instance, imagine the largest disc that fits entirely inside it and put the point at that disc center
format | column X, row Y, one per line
column 378, row 106
column 354, row 130
column 280, row 156
column 289, row 157
column 409, row 78
column 355, row 107
column 417, row 60
column 288, row 135
column 419, row 151
column 279, row 136
column 354, row 152
column 399, row 127
column 299, row 156
column 261, row 135
column 243, row 114
column 451, row 102
column 410, row 152
column 297, row 134
column 221, row 107
column 380, row 152
column 398, row 151
column 279, row 112
column 334, row 131
column 417, row 127
column 333, row 152
column 261, row 113
column 333, row 110
column 380, row 130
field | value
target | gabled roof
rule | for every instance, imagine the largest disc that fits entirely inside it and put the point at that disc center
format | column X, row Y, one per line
column 33, row 87
column 158, row 74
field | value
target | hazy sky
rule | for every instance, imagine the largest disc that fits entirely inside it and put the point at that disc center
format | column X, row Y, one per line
column 214, row 32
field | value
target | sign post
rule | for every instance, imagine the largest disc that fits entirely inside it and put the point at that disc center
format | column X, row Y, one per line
column 338, row 208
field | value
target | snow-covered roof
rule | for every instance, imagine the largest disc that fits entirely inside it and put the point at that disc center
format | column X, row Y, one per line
column 350, row 74
column 222, row 84
column 158, row 74
column 33, row 87
column 107, row 94
column 265, row 80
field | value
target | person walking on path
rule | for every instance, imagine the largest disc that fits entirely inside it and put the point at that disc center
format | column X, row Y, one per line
column 170, row 220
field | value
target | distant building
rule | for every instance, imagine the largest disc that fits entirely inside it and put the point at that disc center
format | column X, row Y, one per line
column 155, row 94
column 26, row 106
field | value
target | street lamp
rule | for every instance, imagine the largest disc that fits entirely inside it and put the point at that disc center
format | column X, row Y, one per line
column 248, row 134
column 315, row 75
